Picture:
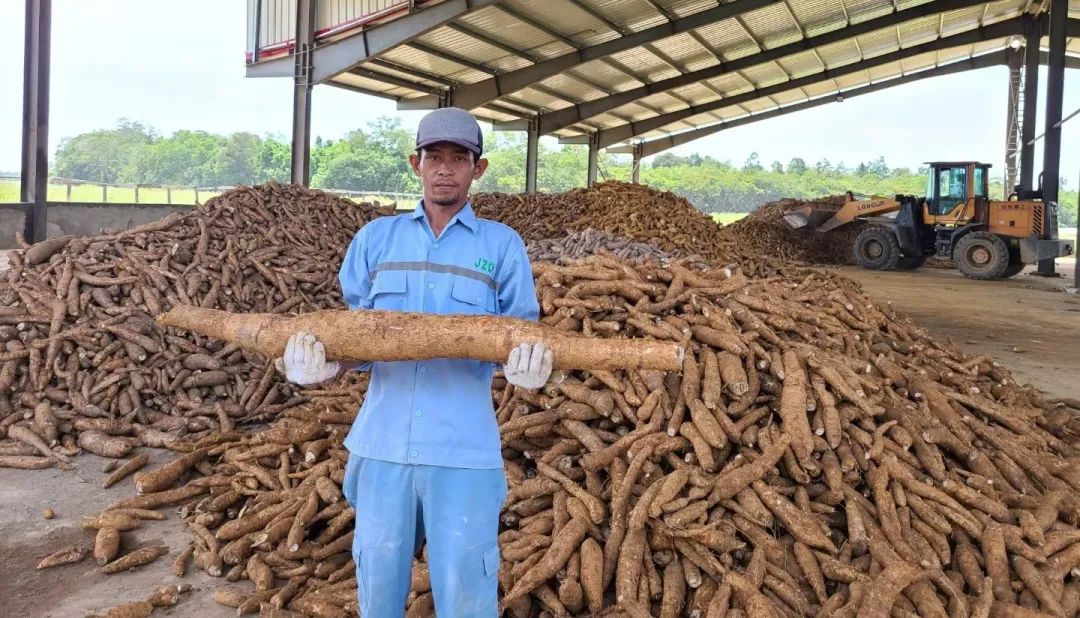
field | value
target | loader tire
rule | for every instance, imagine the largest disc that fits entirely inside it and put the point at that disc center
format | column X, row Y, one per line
column 981, row 255
column 911, row 262
column 1016, row 265
column 876, row 248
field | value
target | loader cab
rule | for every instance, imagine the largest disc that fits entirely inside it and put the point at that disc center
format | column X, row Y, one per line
column 952, row 188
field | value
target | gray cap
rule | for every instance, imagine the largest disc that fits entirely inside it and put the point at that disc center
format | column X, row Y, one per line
column 450, row 124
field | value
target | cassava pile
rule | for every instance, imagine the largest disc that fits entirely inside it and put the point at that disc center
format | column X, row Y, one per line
column 627, row 210
column 763, row 232
column 817, row 455
column 84, row 366
column 590, row 242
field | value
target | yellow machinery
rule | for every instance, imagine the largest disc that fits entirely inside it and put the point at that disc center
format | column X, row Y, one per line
column 986, row 239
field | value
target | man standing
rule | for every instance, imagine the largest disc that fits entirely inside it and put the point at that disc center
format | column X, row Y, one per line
column 424, row 452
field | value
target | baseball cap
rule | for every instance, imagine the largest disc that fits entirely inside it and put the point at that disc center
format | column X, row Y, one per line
column 450, row 124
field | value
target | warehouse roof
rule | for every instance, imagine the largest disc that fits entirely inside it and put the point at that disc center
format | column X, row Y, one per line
column 618, row 71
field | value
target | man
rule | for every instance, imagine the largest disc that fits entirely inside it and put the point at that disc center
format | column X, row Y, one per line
column 425, row 458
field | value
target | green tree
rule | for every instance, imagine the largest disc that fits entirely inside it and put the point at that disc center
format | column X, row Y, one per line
column 101, row 155
column 796, row 166
column 752, row 163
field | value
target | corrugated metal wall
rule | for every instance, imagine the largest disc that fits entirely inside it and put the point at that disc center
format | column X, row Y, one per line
column 277, row 17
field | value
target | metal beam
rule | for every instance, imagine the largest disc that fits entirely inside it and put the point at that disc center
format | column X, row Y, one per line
column 1055, row 91
column 655, row 146
column 635, row 166
column 479, row 93
column 345, row 53
column 34, row 181
column 1032, row 36
column 302, row 84
column 572, row 115
column 616, row 134
column 1012, row 119
column 532, row 150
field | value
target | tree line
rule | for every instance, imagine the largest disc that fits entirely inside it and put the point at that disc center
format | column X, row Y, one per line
column 375, row 158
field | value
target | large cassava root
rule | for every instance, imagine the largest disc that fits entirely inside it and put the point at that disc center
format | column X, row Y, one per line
column 397, row 336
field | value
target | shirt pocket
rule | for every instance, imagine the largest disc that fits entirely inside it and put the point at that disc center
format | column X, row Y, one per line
column 388, row 290
column 473, row 297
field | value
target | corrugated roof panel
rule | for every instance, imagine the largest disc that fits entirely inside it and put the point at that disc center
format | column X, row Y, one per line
column 414, row 58
column 840, row 53
column 765, row 75
column 919, row 30
column 878, row 42
column 685, row 51
column 506, row 29
column 763, row 104
column 851, row 80
column 634, row 14
column 801, row 64
column 821, row 88
column 964, row 19
column 992, row 45
column 463, row 45
column 695, row 120
column 772, row 25
column 790, row 96
column 400, row 75
column 728, row 38
column 538, row 98
column 730, row 84
column 608, row 75
column 492, row 115
column 862, row 10
column 565, row 18
column 682, row 8
column 698, row 93
column 895, row 69
column 817, row 16
column 575, row 89
column 645, row 64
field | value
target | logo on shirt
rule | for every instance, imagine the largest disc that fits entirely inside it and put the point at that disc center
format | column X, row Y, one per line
column 484, row 265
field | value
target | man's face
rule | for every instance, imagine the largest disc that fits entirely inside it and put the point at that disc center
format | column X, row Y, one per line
column 447, row 171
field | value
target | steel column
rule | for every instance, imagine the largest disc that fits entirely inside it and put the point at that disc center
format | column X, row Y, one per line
column 594, row 160
column 34, row 183
column 1055, row 90
column 1032, row 35
column 302, row 84
column 635, row 167
column 532, row 148
column 1012, row 119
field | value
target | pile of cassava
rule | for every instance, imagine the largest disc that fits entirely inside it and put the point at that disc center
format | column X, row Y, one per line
column 817, row 455
column 592, row 242
column 82, row 364
column 763, row 232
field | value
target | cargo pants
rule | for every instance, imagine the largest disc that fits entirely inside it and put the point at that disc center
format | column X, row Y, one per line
column 398, row 507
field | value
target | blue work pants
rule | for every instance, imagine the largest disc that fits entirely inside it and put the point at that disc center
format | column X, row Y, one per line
column 456, row 510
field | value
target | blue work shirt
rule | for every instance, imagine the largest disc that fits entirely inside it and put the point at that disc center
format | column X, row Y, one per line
column 437, row 412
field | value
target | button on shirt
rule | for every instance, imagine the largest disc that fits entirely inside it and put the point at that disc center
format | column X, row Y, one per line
column 437, row 412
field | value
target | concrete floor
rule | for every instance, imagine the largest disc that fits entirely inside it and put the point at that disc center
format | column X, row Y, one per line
column 1027, row 323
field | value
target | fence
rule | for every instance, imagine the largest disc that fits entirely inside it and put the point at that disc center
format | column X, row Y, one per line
column 144, row 193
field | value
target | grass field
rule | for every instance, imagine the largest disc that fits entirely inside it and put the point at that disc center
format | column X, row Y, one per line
column 9, row 192
column 728, row 217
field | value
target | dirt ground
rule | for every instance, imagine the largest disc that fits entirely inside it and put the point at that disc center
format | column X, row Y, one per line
column 81, row 589
column 1029, row 324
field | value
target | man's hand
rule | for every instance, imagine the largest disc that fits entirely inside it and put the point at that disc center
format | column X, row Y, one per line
column 529, row 365
column 304, row 361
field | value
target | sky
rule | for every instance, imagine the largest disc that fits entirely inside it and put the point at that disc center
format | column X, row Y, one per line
column 180, row 65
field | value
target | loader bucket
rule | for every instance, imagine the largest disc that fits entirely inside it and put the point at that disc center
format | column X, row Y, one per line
column 810, row 216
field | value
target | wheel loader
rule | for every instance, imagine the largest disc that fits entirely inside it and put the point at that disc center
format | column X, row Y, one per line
column 985, row 238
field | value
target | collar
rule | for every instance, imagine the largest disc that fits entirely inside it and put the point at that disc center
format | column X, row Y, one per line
column 466, row 216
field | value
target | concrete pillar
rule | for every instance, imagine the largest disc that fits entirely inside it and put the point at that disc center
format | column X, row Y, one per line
column 594, row 160
column 302, row 68
column 1032, row 34
column 635, row 167
column 532, row 149
column 1055, row 90
column 34, row 181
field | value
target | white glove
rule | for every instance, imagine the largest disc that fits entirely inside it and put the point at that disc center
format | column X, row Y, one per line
column 304, row 361
column 529, row 365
